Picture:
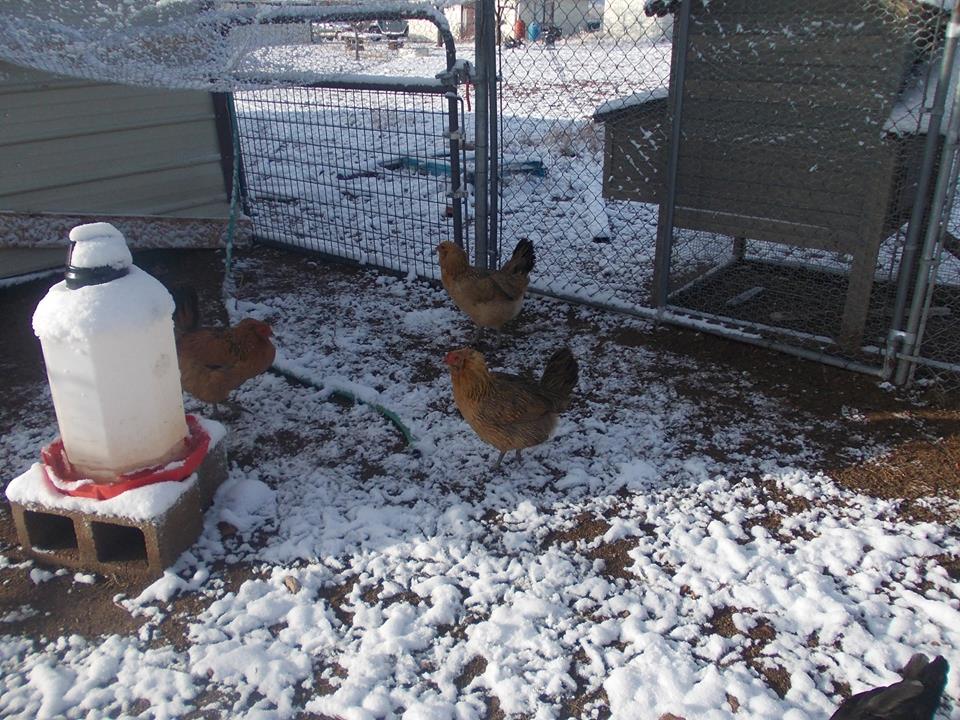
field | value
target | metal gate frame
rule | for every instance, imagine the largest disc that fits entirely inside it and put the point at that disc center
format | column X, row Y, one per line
column 456, row 73
column 911, row 356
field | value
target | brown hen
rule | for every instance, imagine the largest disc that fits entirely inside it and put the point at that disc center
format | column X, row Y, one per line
column 216, row 361
column 508, row 411
column 490, row 297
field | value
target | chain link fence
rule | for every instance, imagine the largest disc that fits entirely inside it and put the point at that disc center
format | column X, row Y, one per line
column 765, row 171
column 564, row 67
column 778, row 172
column 802, row 143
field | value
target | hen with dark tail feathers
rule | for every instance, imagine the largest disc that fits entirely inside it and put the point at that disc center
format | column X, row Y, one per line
column 916, row 697
column 508, row 411
column 490, row 297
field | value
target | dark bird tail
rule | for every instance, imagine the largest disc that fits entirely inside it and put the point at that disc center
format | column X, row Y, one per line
column 933, row 676
column 917, row 696
column 186, row 311
column 560, row 377
column 522, row 259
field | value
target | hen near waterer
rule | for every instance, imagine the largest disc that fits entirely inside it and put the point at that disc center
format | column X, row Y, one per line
column 123, row 489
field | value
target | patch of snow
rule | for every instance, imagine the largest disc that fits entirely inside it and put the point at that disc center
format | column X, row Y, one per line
column 38, row 576
column 99, row 245
column 631, row 101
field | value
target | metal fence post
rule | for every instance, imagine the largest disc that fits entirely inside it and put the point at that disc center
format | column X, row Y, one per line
column 481, row 179
column 665, row 219
column 493, row 204
column 945, row 186
column 456, row 173
column 911, row 245
column 228, row 140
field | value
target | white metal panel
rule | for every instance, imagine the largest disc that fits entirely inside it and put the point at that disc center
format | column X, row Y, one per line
column 75, row 146
column 158, row 192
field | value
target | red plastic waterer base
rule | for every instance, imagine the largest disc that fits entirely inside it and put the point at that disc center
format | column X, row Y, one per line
column 64, row 478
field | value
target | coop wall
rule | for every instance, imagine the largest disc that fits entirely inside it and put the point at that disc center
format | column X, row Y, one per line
column 783, row 121
column 634, row 158
column 77, row 146
column 781, row 134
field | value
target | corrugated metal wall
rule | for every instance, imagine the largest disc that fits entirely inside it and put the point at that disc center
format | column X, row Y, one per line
column 76, row 146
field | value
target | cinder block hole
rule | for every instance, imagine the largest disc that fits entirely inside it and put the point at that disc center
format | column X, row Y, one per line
column 119, row 543
column 50, row 532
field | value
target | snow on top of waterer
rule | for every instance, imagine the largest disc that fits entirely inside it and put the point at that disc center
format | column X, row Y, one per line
column 99, row 245
column 135, row 300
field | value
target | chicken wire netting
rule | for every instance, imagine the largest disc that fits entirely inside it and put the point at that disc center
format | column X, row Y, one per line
column 221, row 45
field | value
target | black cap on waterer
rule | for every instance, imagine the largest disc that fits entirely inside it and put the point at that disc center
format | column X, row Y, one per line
column 98, row 254
column 78, row 277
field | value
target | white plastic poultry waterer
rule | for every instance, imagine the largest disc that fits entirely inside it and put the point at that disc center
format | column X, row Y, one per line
column 106, row 332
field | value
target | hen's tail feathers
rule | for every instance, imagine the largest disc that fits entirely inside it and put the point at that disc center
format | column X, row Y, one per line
column 916, row 696
column 522, row 259
column 933, row 675
column 560, row 377
column 186, row 311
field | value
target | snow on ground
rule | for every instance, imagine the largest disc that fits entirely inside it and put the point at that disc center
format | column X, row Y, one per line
column 660, row 555
column 335, row 194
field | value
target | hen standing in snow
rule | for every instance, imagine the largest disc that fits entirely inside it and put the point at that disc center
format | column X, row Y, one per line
column 216, row 361
column 490, row 297
column 916, row 697
column 507, row 411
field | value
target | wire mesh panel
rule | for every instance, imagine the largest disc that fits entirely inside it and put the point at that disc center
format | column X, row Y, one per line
column 358, row 174
column 939, row 353
column 803, row 133
column 564, row 66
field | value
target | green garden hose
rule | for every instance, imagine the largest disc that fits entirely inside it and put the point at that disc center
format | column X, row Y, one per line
column 303, row 379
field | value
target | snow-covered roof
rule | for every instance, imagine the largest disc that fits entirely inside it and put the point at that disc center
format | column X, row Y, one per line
column 629, row 101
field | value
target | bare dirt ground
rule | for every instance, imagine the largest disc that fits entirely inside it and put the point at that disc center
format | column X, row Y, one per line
column 873, row 440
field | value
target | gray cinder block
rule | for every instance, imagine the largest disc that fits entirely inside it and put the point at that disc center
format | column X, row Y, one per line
column 116, row 545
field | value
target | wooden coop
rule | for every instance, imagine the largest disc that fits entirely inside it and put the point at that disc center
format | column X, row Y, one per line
column 796, row 129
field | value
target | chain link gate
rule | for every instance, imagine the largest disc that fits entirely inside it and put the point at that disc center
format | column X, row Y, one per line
column 564, row 68
column 356, row 173
column 365, row 168
column 788, row 204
